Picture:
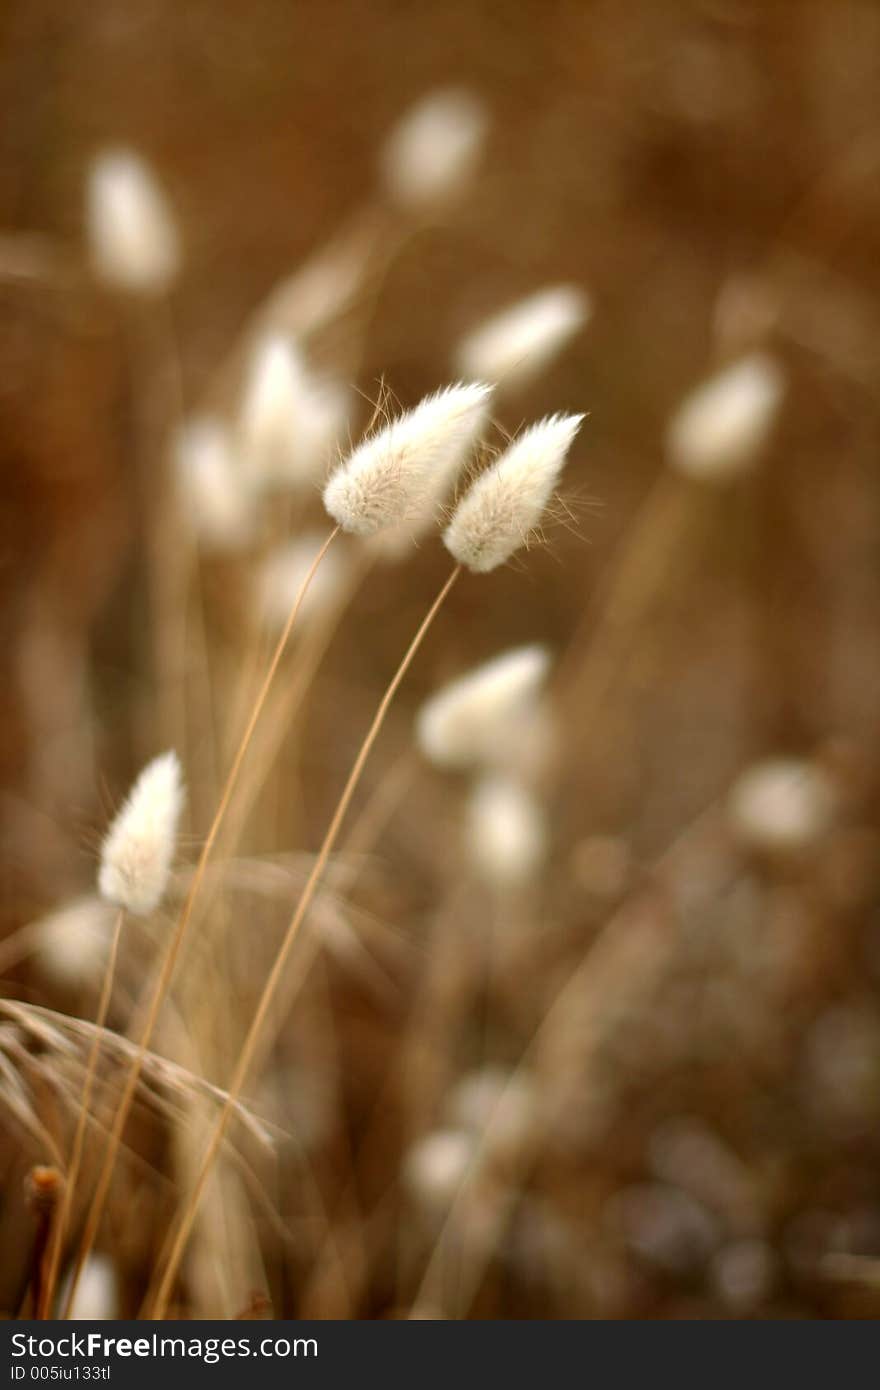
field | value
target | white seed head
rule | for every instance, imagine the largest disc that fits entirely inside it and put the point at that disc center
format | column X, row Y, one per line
column 74, row 940
column 283, row 573
column 473, row 720
column 518, row 343
column 503, row 508
column 133, row 239
column 290, row 422
column 719, row 430
column 97, row 1292
column 214, row 494
column 505, row 832
column 433, row 150
column 137, row 852
column 437, row 1165
column 392, row 478
column 498, row 1106
column 782, row 805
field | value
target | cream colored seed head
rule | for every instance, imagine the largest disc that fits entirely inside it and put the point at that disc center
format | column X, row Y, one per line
column 437, row 1165
column 74, row 940
column 97, row 1292
column 505, row 832
column 392, row 475
column 503, row 508
column 433, row 150
column 515, row 345
column 470, row 721
column 720, row 428
column 132, row 237
column 782, row 804
column 137, row 852
column 214, row 494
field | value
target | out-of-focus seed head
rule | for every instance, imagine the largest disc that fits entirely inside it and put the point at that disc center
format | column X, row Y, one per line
column 392, row 477
column 132, row 236
column 518, row 343
column 503, row 508
column 283, row 574
column 721, row 427
column 215, row 496
column 432, row 152
column 782, row 805
column 137, row 852
column 290, row 423
column 505, row 832
column 475, row 719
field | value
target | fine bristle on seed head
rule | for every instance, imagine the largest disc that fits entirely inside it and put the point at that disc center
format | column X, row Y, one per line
column 133, row 239
column 475, row 720
column 139, row 847
column 97, row 1291
column 290, row 422
column 719, row 429
column 503, row 508
column 505, row 832
column 432, row 151
column 216, row 498
column 516, row 344
column 782, row 804
column 392, row 476
column 73, row 941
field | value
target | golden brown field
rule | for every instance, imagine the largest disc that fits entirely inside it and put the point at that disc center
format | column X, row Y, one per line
column 552, row 994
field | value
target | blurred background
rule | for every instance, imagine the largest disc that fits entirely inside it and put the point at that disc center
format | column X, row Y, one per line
column 639, row 1076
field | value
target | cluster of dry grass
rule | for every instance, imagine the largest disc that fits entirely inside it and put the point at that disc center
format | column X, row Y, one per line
column 574, row 1012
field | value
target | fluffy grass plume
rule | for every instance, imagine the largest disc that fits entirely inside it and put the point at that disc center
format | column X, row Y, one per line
column 137, row 852
column 391, row 476
column 517, row 343
column 132, row 235
column 469, row 721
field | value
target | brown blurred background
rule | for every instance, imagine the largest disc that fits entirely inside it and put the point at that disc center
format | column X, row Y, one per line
column 708, row 171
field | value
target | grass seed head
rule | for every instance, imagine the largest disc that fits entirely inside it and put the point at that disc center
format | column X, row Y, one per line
column 506, row 833
column 432, row 152
column 472, row 721
column 132, row 235
column 74, row 940
column 503, row 508
column 437, row 1165
column 97, row 1293
column 290, row 422
column 139, row 847
column 394, row 474
column 720, row 428
column 516, row 344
